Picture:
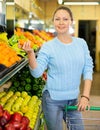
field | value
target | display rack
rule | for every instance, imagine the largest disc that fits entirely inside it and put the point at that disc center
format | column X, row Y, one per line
column 5, row 78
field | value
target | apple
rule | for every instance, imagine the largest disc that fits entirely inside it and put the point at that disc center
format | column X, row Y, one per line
column 25, row 120
column 16, row 117
column 16, row 124
column 9, row 126
column 24, row 123
column 1, row 128
column 7, row 115
column 3, row 121
column 23, row 126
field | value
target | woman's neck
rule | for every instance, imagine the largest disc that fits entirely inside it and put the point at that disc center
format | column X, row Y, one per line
column 65, row 38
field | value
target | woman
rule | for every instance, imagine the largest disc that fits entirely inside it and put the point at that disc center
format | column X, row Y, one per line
column 66, row 59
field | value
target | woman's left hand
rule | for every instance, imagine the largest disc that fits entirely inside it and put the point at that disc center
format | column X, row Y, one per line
column 83, row 104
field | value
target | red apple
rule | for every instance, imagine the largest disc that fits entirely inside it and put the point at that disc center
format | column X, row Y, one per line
column 23, row 126
column 9, row 126
column 16, row 124
column 25, row 120
column 3, row 121
column 7, row 115
column 1, row 128
column 24, row 123
column 16, row 117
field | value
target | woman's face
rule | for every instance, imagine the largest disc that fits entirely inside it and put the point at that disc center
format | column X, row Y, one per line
column 62, row 21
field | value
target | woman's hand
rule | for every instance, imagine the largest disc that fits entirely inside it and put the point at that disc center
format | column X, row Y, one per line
column 83, row 104
column 26, row 47
column 30, row 52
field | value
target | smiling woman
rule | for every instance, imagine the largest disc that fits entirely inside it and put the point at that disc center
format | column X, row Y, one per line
column 65, row 59
column 63, row 20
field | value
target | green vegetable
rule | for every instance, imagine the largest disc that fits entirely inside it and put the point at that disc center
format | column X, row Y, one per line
column 23, row 83
column 27, row 87
column 35, row 87
column 28, row 80
column 12, row 88
column 16, row 83
column 13, row 40
column 21, row 88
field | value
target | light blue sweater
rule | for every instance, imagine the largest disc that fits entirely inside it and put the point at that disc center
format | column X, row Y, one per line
column 66, row 63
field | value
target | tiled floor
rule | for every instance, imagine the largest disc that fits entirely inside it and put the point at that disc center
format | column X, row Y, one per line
column 93, row 117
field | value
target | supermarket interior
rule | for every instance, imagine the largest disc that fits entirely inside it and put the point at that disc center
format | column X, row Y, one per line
column 20, row 92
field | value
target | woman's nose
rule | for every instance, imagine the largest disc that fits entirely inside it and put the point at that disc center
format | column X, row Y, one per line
column 61, row 22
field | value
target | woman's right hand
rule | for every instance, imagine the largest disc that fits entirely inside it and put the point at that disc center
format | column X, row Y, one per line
column 26, row 47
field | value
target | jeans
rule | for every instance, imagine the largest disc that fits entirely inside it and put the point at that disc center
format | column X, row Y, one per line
column 54, row 113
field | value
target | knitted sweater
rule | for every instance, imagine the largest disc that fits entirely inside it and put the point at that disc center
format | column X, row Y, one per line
column 66, row 64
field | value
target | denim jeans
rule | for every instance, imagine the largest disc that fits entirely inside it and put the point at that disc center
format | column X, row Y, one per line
column 54, row 113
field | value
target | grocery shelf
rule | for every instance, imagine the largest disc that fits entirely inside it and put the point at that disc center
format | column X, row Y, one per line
column 10, row 74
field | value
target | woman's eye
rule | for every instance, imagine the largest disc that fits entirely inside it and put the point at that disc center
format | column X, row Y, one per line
column 65, row 19
column 57, row 19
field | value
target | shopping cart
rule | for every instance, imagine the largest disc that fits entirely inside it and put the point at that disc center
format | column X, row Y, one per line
column 89, row 123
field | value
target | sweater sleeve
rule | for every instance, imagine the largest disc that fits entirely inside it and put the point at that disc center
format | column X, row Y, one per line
column 42, row 62
column 88, row 66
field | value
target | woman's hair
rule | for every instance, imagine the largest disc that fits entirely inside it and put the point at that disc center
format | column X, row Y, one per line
column 63, row 8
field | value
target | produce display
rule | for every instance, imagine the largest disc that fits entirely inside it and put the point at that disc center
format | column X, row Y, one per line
column 36, row 38
column 18, row 111
column 24, row 81
column 8, row 56
column 11, row 54
column 20, row 104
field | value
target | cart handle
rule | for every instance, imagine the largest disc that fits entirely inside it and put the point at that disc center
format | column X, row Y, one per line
column 92, row 108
